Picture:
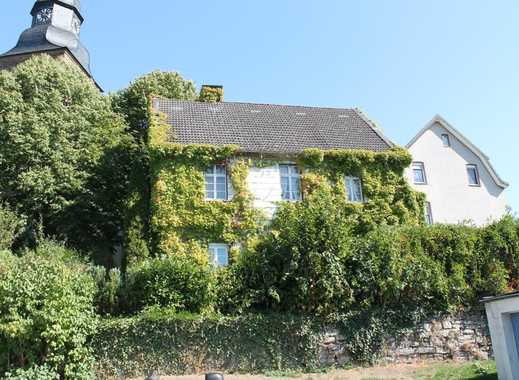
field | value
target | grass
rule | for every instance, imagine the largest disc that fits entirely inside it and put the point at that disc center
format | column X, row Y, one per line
column 472, row 371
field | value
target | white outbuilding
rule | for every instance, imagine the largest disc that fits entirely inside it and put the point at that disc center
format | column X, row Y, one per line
column 503, row 321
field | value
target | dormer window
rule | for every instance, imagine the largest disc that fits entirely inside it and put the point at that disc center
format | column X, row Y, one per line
column 446, row 140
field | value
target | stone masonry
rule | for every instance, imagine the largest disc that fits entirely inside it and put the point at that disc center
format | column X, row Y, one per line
column 461, row 337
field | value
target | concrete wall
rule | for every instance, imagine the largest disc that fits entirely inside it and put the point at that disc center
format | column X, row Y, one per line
column 505, row 347
column 447, row 189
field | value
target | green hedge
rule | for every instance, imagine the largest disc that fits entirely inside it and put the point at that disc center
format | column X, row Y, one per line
column 179, row 345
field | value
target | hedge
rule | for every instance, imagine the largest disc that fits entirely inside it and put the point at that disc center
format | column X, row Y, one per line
column 178, row 345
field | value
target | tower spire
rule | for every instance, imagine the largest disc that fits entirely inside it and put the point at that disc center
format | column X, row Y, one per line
column 55, row 29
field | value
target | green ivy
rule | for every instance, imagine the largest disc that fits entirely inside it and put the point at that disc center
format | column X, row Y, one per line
column 178, row 345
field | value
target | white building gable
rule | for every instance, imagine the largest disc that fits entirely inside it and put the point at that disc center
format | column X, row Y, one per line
column 458, row 179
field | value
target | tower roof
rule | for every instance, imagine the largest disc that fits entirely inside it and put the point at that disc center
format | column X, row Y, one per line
column 52, row 35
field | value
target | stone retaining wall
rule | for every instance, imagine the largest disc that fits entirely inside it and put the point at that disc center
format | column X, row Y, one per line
column 461, row 337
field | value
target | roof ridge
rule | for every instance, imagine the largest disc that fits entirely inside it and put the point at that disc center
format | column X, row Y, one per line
column 257, row 104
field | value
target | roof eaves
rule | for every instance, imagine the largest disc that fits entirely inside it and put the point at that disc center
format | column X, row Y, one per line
column 374, row 127
column 465, row 141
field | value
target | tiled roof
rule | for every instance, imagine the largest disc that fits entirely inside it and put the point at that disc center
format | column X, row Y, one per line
column 267, row 128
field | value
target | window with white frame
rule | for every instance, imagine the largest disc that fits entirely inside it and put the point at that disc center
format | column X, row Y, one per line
column 473, row 173
column 216, row 183
column 354, row 189
column 219, row 255
column 290, row 182
column 419, row 176
column 446, row 140
column 428, row 214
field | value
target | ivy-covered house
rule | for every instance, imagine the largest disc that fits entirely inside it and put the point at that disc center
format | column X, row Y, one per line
column 220, row 170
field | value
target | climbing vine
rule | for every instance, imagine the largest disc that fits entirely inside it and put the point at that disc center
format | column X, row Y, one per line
column 183, row 221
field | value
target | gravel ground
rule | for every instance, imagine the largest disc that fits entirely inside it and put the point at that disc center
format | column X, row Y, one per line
column 391, row 372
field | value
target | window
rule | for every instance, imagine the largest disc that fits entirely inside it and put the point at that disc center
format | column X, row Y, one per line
column 472, row 171
column 219, row 255
column 354, row 189
column 290, row 182
column 428, row 214
column 216, row 183
column 446, row 140
column 419, row 173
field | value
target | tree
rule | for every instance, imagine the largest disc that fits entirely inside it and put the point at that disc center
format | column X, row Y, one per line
column 65, row 155
column 132, row 104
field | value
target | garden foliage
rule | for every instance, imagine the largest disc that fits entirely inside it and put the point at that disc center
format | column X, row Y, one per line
column 46, row 313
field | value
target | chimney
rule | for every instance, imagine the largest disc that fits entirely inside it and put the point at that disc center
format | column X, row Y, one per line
column 211, row 94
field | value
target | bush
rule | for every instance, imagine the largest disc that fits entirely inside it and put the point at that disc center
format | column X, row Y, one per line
column 299, row 267
column 10, row 226
column 46, row 314
column 33, row 373
column 109, row 287
column 178, row 345
column 177, row 283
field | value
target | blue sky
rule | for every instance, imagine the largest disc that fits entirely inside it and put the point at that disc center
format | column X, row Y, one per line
column 401, row 61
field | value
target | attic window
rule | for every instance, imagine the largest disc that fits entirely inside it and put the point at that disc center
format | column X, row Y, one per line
column 472, row 171
column 446, row 140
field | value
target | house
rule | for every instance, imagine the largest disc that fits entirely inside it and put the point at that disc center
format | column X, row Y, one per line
column 55, row 30
column 215, row 164
column 458, row 179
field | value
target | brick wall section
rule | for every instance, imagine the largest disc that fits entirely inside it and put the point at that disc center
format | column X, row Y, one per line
column 462, row 337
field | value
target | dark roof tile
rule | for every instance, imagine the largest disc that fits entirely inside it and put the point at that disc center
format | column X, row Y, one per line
column 267, row 128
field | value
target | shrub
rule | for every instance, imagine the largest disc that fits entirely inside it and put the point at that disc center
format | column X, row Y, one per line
column 300, row 265
column 178, row 345
column 10, row 225
column 177, row 282
column 46, row 315
column 33, row 373
column 109, row 287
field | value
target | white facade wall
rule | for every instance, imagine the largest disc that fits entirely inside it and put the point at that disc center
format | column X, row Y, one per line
column 265, row 186
column 452, row 199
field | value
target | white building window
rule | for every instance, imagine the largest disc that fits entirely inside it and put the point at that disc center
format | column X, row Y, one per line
column 428, row 214
column 472, row 171
column 446, row 140
column 419, row 176
column 290, row 182
column 216, row 183
column 354, row 189
column 219, row 255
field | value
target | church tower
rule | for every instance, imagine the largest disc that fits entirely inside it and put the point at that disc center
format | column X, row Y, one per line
column 55, row 30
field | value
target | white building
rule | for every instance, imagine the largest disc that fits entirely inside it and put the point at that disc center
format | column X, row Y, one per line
column 503, row 322
column 460, row 183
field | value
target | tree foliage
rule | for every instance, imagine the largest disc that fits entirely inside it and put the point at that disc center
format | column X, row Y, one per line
column 132, row 102
column 64, row 156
